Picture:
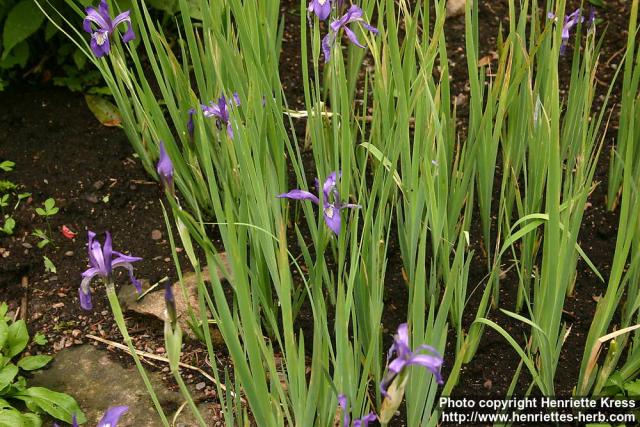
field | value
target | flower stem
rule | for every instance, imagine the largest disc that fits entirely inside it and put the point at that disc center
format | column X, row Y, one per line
column 173, row 341
column 119, row 318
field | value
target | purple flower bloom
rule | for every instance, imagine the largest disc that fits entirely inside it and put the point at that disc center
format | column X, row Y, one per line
column 331, row 209
column 165, row 168
column 100, row 44
column 221, row 112
column 405, row 357
column 102, row 264
column 570, row 21
column 112, row 416
column 360, row 422
column 354, row 14
column 322, row 8
column 109, row 419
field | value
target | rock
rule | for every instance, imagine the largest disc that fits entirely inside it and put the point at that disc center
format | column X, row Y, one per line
column 97, row 382
column 68, row 253
column 91, row 198
column 201, row 385
column 98, row 184
column 153, row 303
column 460, row 99
column 455, row 8
column 156, row 235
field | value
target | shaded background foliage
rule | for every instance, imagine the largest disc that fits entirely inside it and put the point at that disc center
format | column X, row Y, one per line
column 32, row 48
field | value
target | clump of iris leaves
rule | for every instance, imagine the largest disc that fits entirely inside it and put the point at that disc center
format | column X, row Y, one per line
column 384, row 211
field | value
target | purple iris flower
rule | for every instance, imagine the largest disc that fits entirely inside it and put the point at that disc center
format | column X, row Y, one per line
column 405, row 357
column 102, row 263
column 322, row 8
column 112, row 416
column 354, row 14
column 165, row 168
column 331, row 210
column 570, row 21
column 220, row 111
column 100, row 44
column 360, row 422
column 109, row 419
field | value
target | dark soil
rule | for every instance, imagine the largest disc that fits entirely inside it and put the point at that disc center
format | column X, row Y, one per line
column 61, row 151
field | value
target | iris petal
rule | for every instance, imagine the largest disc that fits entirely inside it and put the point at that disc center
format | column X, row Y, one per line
column 123, row 17
column 322, row 10
column 432, row 363
column 103, row 9
column 329, row 185
column 300, row 195
column 85, row 299
column 371, row 28
column 397, row 365
column 352, row 37
column 364, row 421
column 332, row 218
column 100, row 50
column 90, row 272
column 93, row 16
column 123, row 258
column 112, row 416
column 165, row 166
column 96, row 249
column 129, row 268
column 327, row 42
column 107, row 253
column 342, row 401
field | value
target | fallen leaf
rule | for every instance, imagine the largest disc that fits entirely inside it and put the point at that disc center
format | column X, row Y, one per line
column 105, row 111
column 488, row 59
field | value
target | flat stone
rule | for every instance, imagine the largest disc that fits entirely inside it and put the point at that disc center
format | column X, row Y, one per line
column 156, row 235
column 97, row 382
column 455, row 8
column 153, row 304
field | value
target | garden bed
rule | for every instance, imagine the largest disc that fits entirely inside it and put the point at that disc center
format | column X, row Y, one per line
column 62, row 152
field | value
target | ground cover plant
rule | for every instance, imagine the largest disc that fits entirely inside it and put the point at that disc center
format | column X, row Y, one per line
column 378, row 148
column 13, row 340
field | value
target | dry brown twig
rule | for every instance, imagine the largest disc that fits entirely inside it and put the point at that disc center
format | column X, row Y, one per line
column 145, row 354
